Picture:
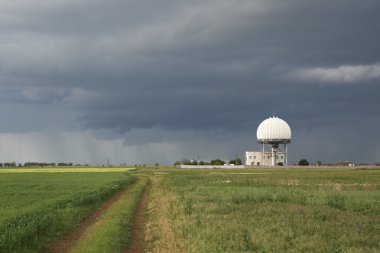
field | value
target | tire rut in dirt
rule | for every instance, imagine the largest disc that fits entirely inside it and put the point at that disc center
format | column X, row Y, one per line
column 138, row 231
column 64, row 245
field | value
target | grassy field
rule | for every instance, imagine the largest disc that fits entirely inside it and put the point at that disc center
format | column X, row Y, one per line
column 267, row 210
column 38, row 207
column 264, row 211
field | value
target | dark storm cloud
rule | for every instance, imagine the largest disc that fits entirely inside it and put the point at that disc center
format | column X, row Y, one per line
column 207, row 67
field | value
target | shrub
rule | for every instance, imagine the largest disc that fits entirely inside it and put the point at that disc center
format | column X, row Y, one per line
column 303, row 162
column 217, row 162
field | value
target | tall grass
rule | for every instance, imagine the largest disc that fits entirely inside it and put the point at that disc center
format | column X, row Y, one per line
column 273, row 210
column 38, row 207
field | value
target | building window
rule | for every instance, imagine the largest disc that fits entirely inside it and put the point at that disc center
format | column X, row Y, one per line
column 250, row 157
column 254, row 157
column 282, row 157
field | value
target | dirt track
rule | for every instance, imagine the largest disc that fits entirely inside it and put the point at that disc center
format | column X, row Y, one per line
column 65, row 244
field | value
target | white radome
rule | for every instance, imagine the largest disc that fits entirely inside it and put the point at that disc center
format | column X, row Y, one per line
column 274, row 129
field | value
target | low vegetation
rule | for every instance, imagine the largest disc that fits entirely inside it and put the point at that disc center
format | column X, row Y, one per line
column 113, row 231
column 39, row 207
column 265, row 211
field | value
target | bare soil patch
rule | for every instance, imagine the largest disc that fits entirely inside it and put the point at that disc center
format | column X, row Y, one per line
column 65, row 244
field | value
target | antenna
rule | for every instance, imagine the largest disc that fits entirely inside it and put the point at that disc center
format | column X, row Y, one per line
column 273, row 113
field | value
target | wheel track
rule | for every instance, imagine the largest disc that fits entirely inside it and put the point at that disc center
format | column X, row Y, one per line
column 64, row 245
column 138, row 230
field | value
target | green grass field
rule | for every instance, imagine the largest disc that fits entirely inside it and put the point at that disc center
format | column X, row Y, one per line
column 265, row 211
column 38, row 207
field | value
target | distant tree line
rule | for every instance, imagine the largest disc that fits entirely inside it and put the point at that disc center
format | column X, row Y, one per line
column 12, row 164
column 218, row 161
column 65, row 164
column 38, row 164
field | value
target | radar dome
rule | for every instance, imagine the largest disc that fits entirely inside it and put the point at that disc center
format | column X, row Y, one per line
column 274, row 130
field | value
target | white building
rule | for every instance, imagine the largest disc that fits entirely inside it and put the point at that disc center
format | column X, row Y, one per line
column 257, row 158
column 273, row 134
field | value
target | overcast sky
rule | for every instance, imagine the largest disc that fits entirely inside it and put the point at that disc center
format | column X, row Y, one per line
column 144, row 81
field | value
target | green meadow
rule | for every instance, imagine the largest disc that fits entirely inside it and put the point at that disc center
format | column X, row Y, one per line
column 271, row 210
column 253, row 210
column 38, row 207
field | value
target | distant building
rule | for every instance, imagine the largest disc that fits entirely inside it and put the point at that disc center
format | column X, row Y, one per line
column 259, row 158
column 273, row 134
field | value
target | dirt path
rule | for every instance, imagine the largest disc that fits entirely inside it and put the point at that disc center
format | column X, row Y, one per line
column 65, row 244
column 138, row 232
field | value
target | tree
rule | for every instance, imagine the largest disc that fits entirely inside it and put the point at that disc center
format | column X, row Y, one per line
column 193, row 162
column 185, row 162
column 319, row 163
column 236, row 161
column 8, row 164
column 217, row 162
column 303, row 162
